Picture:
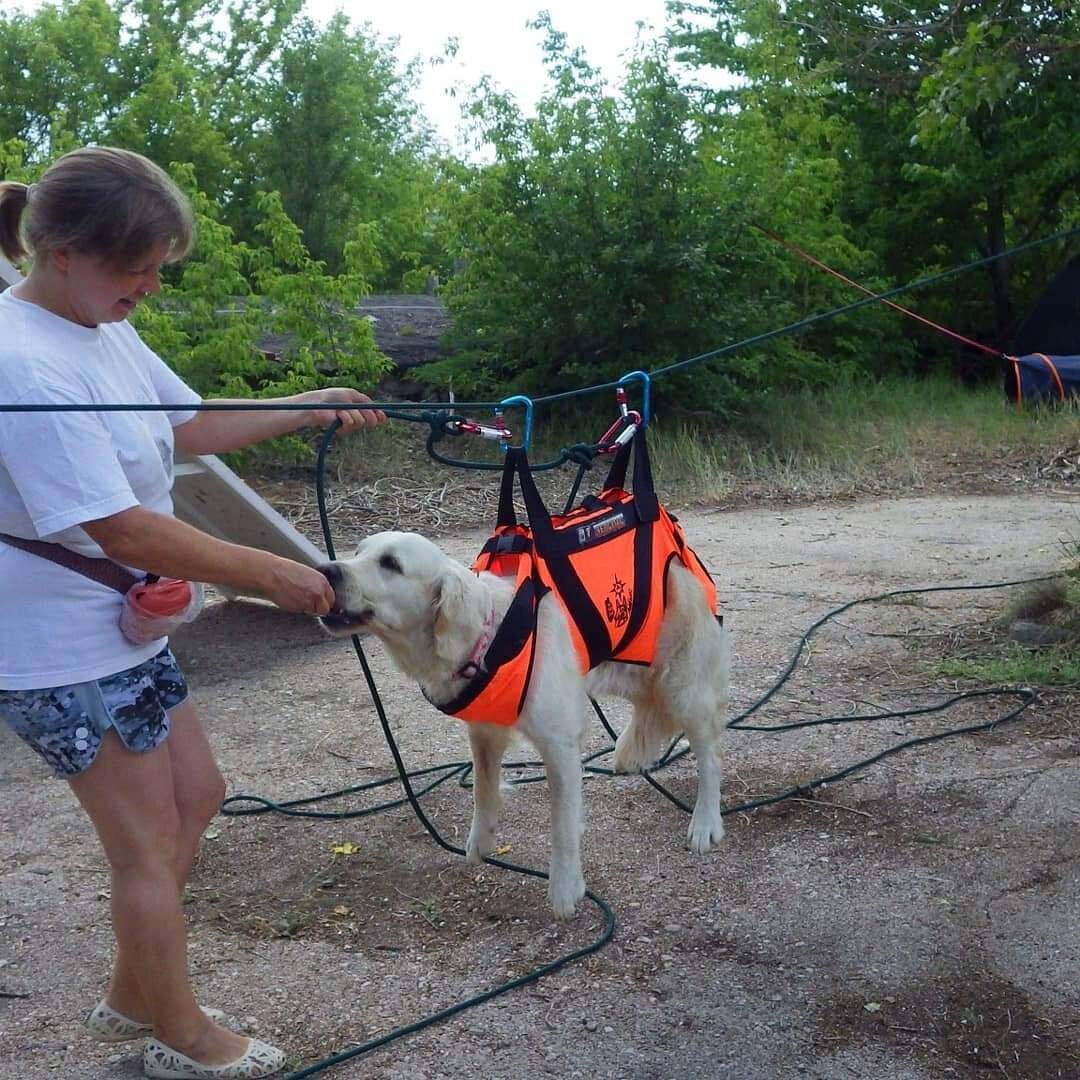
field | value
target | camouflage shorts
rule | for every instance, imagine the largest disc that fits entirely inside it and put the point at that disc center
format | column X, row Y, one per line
column 65, row 724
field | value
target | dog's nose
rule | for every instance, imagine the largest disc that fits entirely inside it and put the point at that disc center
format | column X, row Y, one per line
column 331, row 571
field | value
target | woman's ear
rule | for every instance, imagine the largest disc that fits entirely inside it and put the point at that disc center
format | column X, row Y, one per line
column 60, row 258
column 461, row 608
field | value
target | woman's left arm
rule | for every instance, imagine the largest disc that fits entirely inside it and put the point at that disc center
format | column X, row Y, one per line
column 219, row 432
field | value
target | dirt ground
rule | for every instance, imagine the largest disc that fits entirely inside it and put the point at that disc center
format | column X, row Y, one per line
column 916, row 920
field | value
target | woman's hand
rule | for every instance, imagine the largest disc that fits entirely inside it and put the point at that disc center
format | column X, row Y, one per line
column 351, row 419
column 296, row 587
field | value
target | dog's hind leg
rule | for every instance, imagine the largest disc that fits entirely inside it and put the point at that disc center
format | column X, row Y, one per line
column 706, row 826
column 691, row 689
column 488, row 742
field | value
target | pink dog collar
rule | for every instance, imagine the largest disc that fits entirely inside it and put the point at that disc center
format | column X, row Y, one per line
column 472, row 665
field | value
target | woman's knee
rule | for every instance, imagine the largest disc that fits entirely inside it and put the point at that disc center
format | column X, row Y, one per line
column 202, row 799
column 130, row 800
column 151, row 842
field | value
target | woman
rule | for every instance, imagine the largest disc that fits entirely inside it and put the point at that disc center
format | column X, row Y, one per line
column 113, row 718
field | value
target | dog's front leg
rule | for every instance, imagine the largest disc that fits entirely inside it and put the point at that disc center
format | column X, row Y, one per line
column 488, row 742
column 566, row 885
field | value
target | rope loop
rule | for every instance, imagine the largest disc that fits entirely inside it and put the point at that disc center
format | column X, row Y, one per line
column 582, row 454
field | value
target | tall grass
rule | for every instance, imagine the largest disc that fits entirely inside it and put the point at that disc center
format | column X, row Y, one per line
column 860, row 436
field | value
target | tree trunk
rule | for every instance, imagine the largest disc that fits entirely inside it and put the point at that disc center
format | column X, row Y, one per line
column 999, row 269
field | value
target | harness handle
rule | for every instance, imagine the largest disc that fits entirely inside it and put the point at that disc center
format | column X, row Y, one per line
column 517, row 465
column 648, row 505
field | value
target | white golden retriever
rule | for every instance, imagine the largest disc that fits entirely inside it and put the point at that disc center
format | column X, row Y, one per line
column 430, row 611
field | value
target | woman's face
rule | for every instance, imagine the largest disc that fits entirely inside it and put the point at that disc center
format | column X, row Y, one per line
column 102, row 292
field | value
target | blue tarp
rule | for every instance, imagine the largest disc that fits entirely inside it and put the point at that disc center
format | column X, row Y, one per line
column 1039, row 377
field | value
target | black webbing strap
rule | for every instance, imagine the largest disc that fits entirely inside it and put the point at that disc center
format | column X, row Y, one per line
column 517, row 463
column 645, row 499
column 103, row 571
column 639, row 603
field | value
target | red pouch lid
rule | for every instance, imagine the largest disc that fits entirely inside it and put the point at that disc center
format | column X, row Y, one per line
column 166, row 597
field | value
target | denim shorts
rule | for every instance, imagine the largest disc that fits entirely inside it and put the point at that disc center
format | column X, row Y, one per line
column 65, row 724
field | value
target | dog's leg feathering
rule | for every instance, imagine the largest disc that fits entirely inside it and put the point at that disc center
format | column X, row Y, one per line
column 641, row 742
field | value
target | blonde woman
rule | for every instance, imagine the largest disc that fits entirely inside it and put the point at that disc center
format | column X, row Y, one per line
column 110, row 717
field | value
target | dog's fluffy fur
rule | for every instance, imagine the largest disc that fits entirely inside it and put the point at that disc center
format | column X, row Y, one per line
column 429, row 611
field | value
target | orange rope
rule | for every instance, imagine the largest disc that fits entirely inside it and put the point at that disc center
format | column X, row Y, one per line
column 869, row 292
column 1054, row 374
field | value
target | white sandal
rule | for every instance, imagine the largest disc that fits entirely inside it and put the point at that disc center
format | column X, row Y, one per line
column 108, row 1026
column 261, row 1059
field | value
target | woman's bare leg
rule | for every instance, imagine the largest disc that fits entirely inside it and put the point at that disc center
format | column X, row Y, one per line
column 198, row 791
column 132, row 801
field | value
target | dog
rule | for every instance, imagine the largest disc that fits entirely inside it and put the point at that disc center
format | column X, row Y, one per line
column 430, row 611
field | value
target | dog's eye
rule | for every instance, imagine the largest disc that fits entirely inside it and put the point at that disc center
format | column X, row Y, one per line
column 388, row 562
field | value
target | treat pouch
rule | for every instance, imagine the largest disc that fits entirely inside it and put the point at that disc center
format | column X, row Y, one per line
column 158, row 608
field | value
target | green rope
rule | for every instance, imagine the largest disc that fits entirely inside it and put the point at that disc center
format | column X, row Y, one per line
column 405, row 410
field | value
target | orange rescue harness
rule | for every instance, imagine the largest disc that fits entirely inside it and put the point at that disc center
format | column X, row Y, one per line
column 606, row 563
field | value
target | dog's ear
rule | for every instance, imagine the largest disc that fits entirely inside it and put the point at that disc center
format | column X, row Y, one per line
column 461, row 607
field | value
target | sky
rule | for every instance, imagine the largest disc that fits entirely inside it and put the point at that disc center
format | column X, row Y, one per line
column 493, row 39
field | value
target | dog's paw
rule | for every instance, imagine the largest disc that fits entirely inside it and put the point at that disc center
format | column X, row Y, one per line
column 706, row 830
column 564, row 893
column 480, row 844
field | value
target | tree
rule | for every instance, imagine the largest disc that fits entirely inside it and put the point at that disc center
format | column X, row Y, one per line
column 959, row 120
column 250, row 93
column 338, row 137
column 228, row 295
column 593, row 245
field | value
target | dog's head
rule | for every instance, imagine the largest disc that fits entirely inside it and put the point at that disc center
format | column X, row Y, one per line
column 404, row 590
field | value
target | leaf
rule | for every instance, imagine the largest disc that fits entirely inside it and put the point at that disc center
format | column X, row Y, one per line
column 505, row 849
column 872, row 1006
column 348, row 848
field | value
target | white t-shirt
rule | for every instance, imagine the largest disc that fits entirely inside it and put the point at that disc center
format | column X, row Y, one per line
column 60, row 469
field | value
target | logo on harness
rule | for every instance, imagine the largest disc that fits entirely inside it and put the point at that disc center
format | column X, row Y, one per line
column 618, row 603
column 597, row 530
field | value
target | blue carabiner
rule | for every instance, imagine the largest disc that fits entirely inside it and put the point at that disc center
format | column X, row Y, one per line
column 519, row 399
column 646, row 393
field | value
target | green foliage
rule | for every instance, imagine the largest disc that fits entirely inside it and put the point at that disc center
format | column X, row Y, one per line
column 227, row 297
column 316, row 310
column 253, row 96
column 340, row 140
column 615, row 229
column 1057, row 665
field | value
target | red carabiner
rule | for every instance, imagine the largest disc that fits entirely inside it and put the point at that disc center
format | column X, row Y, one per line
column 485, row 431
column 622, row 431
